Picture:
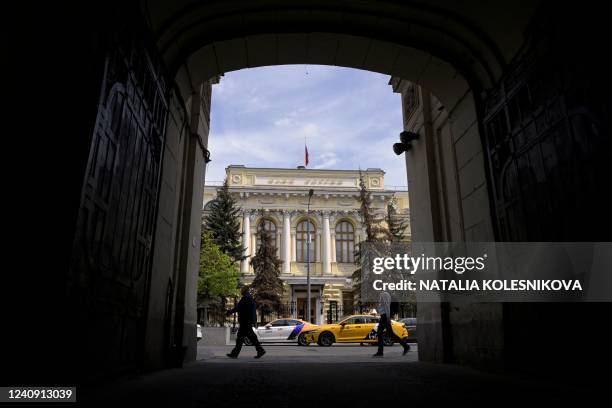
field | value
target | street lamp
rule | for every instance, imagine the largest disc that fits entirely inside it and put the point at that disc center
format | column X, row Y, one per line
column 308, row 314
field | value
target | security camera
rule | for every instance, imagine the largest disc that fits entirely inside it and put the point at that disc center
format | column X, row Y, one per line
column 400, row 148
column 405, row 139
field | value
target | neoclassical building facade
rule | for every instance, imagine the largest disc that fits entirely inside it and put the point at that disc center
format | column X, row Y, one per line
column 276, row 199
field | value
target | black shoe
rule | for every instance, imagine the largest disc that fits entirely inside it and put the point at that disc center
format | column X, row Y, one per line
column 260, row 354
column 231, row 355
column 378, row 355
column 406, row 349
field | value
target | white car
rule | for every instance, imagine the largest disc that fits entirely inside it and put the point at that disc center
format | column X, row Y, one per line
column 283, row 331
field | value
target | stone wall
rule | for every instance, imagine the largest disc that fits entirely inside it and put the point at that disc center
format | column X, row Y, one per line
column 173, row 296
column 449, row 201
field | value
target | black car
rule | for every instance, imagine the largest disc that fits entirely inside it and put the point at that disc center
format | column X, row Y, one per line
column 411, row 325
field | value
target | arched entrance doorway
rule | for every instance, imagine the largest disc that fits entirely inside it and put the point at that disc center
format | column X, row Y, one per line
column 138, row 210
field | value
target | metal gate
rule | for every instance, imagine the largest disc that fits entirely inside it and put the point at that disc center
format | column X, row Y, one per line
column 548, row 146
column 113, row 243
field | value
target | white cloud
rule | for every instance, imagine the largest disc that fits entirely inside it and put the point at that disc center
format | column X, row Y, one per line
column 310, row 129
column 326, row 160
column 283, row 122
column 350, row 118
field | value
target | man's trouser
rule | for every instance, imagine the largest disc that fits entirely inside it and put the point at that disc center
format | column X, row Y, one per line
column 384, row 325
column 246, row 331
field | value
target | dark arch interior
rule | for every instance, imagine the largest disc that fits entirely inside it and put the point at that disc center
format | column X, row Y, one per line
column 535, row 94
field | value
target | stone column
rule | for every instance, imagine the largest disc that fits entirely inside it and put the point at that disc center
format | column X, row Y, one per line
column 253, row 242
column 293, row 244
column 253, row 236
column 246, row 238
column 326, row 244
column 286, row 242
column 317, row 247
column 333, row 245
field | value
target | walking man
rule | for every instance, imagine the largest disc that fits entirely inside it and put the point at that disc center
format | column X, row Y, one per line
column 247, row 318
column 385, row 326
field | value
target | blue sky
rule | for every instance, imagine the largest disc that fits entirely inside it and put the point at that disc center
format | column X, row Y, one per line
column 350, row 119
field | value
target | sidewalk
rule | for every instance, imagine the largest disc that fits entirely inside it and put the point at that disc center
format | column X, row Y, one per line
column 281, row 381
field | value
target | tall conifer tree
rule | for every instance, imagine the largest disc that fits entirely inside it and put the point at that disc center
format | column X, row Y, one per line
column 223, row 222
column 376, row 232
column 396, row 225
column 267, row 285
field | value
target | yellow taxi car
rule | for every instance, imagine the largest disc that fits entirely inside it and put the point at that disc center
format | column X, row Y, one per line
column 352, row 329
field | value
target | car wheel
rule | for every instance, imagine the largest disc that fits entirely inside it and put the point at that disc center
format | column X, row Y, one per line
column 302, row 340
column 326, row 339
column 248, row 341
column 388, row 341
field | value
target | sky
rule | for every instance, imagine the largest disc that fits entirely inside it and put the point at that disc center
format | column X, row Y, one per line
column 349, row 119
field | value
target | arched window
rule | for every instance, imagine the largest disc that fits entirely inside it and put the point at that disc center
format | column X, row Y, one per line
column 270, row 226
column 301, row 237
column 345, row 242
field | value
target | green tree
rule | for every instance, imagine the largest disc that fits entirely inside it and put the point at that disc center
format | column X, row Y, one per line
column 396, row 225
column 223, row 222
column 218, row 276
column 267, row 285
column 375, row 230
column 387, row 229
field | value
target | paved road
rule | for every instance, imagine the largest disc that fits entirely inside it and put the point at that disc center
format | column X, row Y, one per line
column 316, row 377
column 338, row 353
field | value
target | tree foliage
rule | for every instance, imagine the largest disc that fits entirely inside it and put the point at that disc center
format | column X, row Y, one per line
column 267, row 285
column 396, row 225
column 219, row 275
column 376, row 231
column 223, row 222
column 373, row 222
column 387, row 229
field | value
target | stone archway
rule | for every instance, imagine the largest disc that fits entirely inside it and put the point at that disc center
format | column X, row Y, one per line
column 197, row 49
column 538, row 63
column 461, row 54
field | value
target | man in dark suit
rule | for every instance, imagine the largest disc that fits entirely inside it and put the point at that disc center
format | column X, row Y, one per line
column 247, row 318
column 385, row 325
